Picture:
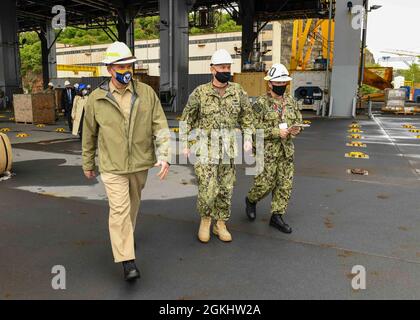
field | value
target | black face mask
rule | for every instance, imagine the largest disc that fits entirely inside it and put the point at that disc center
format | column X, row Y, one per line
column 223, row 77
column 279, row 90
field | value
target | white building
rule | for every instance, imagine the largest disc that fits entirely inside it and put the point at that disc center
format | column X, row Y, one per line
column 201, row 48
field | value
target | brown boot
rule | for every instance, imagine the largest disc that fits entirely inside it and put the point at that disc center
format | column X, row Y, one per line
column 204, row 231
column 220, row 230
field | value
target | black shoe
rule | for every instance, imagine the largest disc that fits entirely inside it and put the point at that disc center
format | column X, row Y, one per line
column 251, row 209
column 277, row 222
column 130, row 270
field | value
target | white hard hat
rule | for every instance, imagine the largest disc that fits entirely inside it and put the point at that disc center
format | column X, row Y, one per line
column 88, row 86
column 221, row 56
column 66, row 83
column 50, row 84
column 76, row 85
column 118, row 53
column 278, row 73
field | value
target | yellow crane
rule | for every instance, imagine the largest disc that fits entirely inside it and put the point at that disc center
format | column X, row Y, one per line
column 304, row 37
column 78, row 68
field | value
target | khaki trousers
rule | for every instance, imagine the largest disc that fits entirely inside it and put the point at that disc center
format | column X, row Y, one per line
column 124, row 195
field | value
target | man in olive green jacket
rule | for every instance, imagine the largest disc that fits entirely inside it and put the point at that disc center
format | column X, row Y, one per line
column 124, row 120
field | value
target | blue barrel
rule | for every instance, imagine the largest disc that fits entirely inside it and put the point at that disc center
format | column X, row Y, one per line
column 416, row 95
column 407, row 92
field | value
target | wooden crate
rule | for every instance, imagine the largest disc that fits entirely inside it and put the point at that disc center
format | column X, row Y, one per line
column 34, row 108
column 152, row 81
column 252, row 82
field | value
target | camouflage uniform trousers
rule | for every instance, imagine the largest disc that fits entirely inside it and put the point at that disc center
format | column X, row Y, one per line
column 215, row 188
column 277, row 177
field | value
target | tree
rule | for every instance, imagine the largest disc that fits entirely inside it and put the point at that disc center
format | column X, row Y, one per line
column 412, row 73
column 30, row 53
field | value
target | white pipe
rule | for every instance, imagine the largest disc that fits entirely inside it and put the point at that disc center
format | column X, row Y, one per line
column 353, row 109
column 327, row 71
column 370, row 109
column 331, row 106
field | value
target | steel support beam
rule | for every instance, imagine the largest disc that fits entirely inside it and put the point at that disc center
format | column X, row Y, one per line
column 48, row 39
column 125, row 27
column 10, row 78
column 247, row 13
column 174, row 44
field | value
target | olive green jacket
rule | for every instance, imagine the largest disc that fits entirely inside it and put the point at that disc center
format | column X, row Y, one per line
column 124, row 145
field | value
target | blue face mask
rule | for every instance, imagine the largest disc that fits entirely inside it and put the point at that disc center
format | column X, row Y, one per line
column 124, row 76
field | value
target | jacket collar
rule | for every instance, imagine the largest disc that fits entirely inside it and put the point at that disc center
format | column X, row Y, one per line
column 107, row 91
column 230, row 90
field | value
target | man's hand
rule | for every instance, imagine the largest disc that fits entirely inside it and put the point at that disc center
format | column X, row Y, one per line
column 186, row 152
column 247, row 146
column 284, row 133
column 90, row 174
column 294, row 130
column 164, row 170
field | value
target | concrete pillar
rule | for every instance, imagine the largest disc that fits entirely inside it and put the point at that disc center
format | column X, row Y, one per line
column 174, row 55
column 276, row 48
column 347, row 41
column 247, row 11
column 10, row 78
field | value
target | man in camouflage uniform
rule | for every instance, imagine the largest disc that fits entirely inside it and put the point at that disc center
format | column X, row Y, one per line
column 218, row 105
column 275, row 113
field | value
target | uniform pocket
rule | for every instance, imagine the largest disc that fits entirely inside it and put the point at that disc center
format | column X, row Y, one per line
column 272, row 115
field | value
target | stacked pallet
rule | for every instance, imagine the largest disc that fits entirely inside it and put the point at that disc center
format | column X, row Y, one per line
column 34, row 108
column 395, row 101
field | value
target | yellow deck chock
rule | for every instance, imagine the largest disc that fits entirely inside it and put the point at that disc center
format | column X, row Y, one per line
column 307, row 121
column 354, row 125
column 175, row 129
column 11, row 119
column 40, row 125
column 355, row 130
column 178, row 118
column 4, row 129
column 358, row 171
column 408, row 126
column 22, row 135
column 414, row 130
column 60, row 130
column 355, row 136
column 357, row 154
column 418, row 137
column 356, row 144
